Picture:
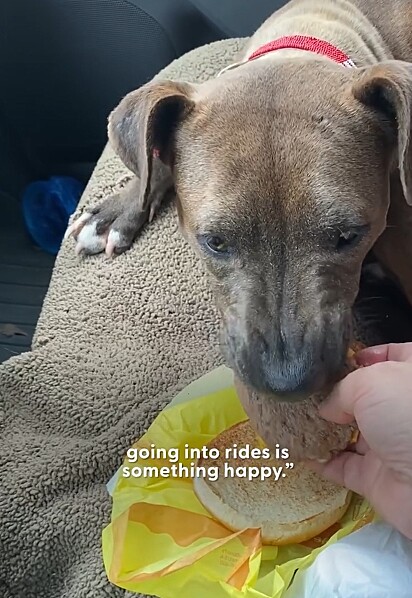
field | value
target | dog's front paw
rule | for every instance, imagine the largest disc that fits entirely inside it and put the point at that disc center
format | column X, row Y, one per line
column 112, row 226
column 105, row 229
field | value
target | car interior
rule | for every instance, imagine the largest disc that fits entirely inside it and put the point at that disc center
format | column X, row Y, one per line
column 113, row 368
column 67, row 64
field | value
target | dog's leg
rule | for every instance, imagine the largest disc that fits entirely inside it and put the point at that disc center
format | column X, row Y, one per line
column 115, row 223
column 141, row 131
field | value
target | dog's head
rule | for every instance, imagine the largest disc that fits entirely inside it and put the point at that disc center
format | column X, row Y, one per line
column 282, row 173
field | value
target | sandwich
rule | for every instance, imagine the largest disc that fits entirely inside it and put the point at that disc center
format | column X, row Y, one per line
column 290, row 503
column 291, row 507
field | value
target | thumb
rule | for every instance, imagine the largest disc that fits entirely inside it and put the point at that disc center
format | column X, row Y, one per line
column 347, row 469
column 389, row 352
column 340, row 405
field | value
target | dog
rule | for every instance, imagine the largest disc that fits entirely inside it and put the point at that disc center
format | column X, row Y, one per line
column 290, row 169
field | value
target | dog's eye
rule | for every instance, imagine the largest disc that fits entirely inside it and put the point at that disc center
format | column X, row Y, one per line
column 216, row 244
column 346, row 239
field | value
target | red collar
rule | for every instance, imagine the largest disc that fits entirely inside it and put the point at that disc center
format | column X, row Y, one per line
column 302, row 42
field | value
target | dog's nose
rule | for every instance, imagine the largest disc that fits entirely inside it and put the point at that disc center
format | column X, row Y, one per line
column 290, row 372
column 291, row 379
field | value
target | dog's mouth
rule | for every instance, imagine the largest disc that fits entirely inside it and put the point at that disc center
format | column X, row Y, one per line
column 289, row 376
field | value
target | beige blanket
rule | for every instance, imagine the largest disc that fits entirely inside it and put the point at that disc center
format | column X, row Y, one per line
column 115, row 342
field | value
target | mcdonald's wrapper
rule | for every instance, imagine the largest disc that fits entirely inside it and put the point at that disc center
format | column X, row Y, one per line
column 161, row 541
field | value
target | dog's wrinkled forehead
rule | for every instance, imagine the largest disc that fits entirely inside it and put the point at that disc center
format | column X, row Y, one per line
column 276, row 136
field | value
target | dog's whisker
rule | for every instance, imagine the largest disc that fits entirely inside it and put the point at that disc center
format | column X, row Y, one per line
column 367, row 299
column 373, row 319
column 367, row 312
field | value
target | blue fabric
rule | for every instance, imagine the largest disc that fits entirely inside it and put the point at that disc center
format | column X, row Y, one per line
column 47, row 207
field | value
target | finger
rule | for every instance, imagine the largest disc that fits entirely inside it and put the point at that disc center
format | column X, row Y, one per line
column 339, row 407
column 361, row 446
column 347, row 469
column 389, row 352
column 356, row 387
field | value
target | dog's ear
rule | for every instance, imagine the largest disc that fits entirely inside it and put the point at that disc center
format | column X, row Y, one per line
column 387, row 88
column 143, row 125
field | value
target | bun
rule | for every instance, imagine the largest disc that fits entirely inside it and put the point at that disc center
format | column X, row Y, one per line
column 291, row 510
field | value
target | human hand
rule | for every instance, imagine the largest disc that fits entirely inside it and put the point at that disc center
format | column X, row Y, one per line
column 378, row 398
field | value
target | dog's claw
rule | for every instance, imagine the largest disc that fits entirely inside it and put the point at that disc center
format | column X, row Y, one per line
column 78, row 249
column 76, row 226
column 110, row 249
column 113, row 241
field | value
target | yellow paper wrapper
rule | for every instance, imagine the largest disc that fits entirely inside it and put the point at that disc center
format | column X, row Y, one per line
column 162, row 542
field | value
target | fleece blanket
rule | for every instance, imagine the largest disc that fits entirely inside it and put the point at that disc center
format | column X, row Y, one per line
column 116, row 341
